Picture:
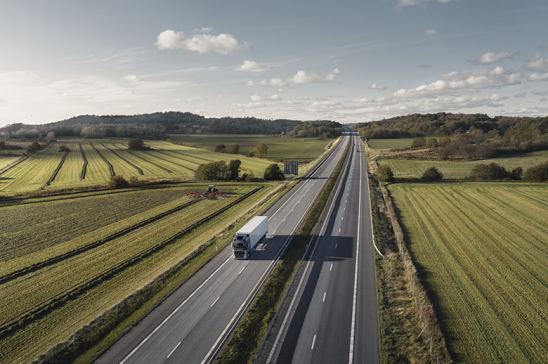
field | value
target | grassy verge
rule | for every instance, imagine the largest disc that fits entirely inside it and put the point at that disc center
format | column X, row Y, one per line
column 250, row 331
column 409, row 329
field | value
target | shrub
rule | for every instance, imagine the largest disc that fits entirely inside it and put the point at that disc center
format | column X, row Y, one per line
column 537, row 173
column 418, row 142
column 64, row 148
column 488, row 172
column 136, row 144
column 261, row 150
column 220, row 148
column 384, row 173
column 234, row 169
column 516, row 173
column 233, row 148
column 118, row 182
column 134, row 181
column 273, row 173
column 34, row 147
column 432, row 174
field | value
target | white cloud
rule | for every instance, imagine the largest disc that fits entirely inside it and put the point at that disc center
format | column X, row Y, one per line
column 493, row 57
column 274, row 97
column 170, row 39
column 223, row 43
column 431, row 32
column 377, row 87
column 538, row 63
column 300, row 78
column 256, row 98
column 452, row 81
column 252, row 66
column 131, row 78
column 538, row 76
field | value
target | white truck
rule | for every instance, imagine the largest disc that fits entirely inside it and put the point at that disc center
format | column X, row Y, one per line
column 249, row 236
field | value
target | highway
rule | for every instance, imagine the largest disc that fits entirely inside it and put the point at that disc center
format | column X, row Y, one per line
column 193, row 322
column 331, row 317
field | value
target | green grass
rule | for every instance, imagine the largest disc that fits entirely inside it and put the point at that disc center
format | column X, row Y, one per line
column 167, row 161
column 279, row 148
column 399, row 143
column 413, row 168
column 482, row 253
column 43, row 333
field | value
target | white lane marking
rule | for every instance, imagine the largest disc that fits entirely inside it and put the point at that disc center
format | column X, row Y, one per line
column 324, row 294
column 214, row 302
column 173, row 312
column 313, row 342
column 241, row 270
column 342, row 218
column 331, row 267
column 336, row 245
column 339, row 230
column 356, row 268
column 301, row 281
column 173, row 350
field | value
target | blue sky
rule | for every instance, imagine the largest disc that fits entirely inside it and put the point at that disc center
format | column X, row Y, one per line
column 346, row 60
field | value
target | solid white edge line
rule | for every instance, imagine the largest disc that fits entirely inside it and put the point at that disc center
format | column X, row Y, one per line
column 356, row 268
column 126, row 358
column 173, row 350
column 292, row 303
column 220, row 338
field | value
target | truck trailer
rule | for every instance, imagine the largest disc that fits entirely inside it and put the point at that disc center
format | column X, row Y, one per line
column 249, row 236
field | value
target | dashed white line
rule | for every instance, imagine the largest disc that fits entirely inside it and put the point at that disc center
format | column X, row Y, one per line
column 331, row 267
column 241, row 270
column 336, row 245
column 339, row 230
column 313, row 342
column 324, row 294
column 342, row 218
column 173, row 350
column 214, row 302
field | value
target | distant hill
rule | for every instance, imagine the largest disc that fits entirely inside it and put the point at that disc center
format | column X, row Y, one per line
column 157, row 125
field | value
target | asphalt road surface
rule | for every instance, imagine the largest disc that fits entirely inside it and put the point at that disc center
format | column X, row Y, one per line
column 191, row 324
column 332, row 315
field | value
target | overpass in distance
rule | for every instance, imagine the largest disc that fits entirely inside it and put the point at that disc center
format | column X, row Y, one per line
column 330, row 314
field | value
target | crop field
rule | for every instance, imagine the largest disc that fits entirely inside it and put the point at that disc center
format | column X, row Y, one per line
column 279, row 148
column 413, row 168
column 482, row 252
column 93, row 162
column 85, row 284
column 5, row 161
column 398, row 143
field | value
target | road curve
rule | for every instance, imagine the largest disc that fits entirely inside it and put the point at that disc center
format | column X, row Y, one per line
column 192, row 322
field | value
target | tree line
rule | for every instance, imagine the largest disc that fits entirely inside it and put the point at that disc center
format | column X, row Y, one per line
column 159, row 125
column 469, row 136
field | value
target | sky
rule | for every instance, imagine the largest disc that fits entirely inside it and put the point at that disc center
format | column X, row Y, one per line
column 349, row 61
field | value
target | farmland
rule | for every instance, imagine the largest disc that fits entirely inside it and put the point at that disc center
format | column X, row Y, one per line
column 85, row 284
column 92, row 163
column 279, row 148
column 482, row 254
column 413, row 168
column 399, row 143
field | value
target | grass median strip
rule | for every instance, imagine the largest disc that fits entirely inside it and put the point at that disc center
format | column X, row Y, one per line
column 250, row 331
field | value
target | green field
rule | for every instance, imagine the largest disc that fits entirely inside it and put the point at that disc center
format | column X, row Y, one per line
column 483, row 253
column 399, row 143
column 70, row 223
column 5, row 161
column 166, row 161
column 413, row 168
column 279, row 148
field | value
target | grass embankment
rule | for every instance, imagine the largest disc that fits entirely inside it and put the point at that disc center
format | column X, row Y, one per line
column 399, row 143
column 481, row 252
column 91, row 312
column 279, row 148
column 413, row 168
column 243, row 343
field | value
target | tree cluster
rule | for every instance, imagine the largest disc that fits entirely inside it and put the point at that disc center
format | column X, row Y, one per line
column 218, row 171
column 494, row 172
column 136, row 144
column 273, row 173
column 538, row 173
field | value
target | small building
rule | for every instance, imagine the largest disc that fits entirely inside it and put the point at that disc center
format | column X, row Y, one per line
column 291, row 167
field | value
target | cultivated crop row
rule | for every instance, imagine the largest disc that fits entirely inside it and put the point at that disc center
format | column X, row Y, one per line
column 85, row 159
column 74, row 276
column 483, row 253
